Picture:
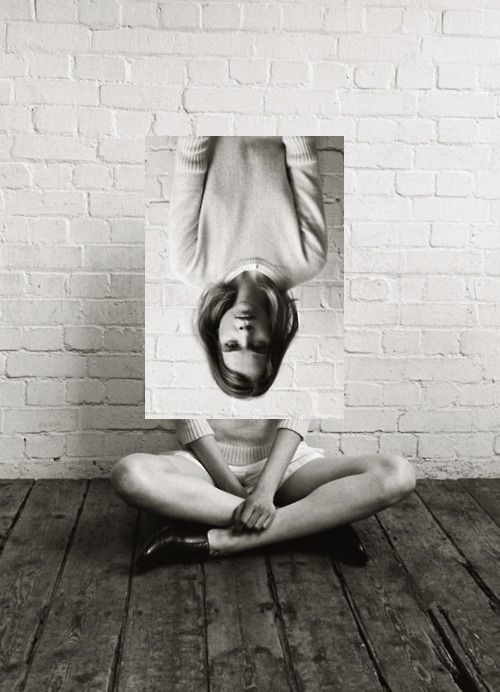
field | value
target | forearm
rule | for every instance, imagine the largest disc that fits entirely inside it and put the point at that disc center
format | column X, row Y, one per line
column 208, row 452
column 305, row 181
column 284, row 446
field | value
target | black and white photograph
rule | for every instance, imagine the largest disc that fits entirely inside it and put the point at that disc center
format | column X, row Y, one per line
column 244, row 277
column 249, row 346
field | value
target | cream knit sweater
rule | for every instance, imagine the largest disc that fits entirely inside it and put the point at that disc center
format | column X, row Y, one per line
column 246, row 203
column 241, row 441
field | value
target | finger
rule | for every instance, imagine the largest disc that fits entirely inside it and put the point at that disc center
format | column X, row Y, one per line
column 247, row 512
column 237, row 513
column 269, row 521
column 261, row 522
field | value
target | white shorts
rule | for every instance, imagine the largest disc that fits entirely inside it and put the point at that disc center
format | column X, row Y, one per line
column 248, row 474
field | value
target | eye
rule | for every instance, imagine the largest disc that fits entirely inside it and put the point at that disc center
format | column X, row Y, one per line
column 259, row 347
column 230, row 346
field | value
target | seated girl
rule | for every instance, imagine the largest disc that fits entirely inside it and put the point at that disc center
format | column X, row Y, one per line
column 246, row 224
column 242, row 484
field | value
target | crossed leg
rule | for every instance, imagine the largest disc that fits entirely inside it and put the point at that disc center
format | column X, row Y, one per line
column 322, row 494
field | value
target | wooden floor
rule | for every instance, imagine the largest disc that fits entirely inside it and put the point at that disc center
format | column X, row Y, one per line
column 424, row 614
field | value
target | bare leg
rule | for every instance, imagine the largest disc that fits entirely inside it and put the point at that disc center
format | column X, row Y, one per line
column 174, row 487
column 325, row 493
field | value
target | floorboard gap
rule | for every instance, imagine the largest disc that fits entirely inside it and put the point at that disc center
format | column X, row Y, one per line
column 47, row 607
column 293, row 680
column 365, row 638
column 15, row 519
column 117, row 659
column 462, row 676
column 205, row 620
column 490, row 595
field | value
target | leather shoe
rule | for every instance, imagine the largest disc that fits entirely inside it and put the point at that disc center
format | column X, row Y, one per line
column 175, row 543
column 345, row 545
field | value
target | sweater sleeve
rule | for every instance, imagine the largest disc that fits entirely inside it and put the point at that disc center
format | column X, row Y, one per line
column 298, row 425
column 302, row 163
column 190, row 430
column 190, row 167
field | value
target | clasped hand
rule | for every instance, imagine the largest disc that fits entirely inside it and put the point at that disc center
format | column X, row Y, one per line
column 256, row 511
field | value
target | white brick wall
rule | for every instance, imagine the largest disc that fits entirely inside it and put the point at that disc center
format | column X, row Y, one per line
column 414, row 89
column 171, row 308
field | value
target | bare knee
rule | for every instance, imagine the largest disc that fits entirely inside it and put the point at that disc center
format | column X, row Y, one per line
column 126, row 477
column 396, row 477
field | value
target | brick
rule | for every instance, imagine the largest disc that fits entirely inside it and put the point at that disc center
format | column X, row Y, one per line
column 139, row 97
column 12, row 65
column 124, row 339
column 84, row 392
column 95, row 122
column 303, row 18
column 414, row 183
column 180, row 15
column 372, row 156
column 55, row 119
column 92, row 176
column 40, row 420
column 459, row 130
column 377, row 130
column 140, row 14
column 457, row 77
column 327, row 75
column 45, row 446
column 260, row 16
column 106, row 69
column 12, row 393
column 378, row 48
column 208, row 71
column 436, row 314
column 34, row 202
column 10, row 338
column 361, row 103
column 42, row 338
column 363, row 394
column 434, row 421
column 367, row 368
column 289, row 72
column 83, row 338
column 53, row 147
column 454, row 184
column 358, row 444
column 401, row 342
column 98, row 15
column 116, row 257
column 159, row 70
column 376, row 76
column 220, row 16
column 439, row 342
column 386, row 20
column 415, row 76
column 401, row 394
column 45, row 393
column 343, row 20
column 116, row 204
column 46, row 285
column 452, row 49
column 314, row 376
column 23, row 36
column 106, row 367
column 230, row 99
column 52, row 175
column 370, row 289
column 55, row 11
column 447, row 369
column 404, row 444
column 15, row 9
column 135, row 41
column 46, row 65
column 448, row 104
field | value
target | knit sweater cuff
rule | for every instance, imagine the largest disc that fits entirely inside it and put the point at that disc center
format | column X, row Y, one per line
column 298, row 425
column 190, row 430
column 192, row 154
column 299, row 150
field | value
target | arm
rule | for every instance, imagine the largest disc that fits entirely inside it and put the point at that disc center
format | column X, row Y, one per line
column 305, row 182
column 199, row 436
column 257, row 512
column 190, row 167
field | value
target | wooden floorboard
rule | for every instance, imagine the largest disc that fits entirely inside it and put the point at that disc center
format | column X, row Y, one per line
column 408, row 651
column 473, row 532
column 165, row 637
column 30, row 568
column 243, row 645
column 460, row 610
column 77, row 647
column 12, row 496
column 326, row 649
column 423, row 615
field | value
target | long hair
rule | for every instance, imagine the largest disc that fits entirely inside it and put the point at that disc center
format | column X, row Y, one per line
column 214, row 302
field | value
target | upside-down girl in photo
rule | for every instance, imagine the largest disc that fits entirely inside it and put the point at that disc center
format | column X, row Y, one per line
column 246, row 224
column 242, row 484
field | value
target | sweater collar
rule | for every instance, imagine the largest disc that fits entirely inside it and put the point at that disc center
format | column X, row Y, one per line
column 259, row 265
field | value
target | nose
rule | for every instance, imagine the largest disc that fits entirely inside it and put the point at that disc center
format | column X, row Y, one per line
column 244, row 326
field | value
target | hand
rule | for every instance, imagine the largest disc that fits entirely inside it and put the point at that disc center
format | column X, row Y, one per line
column 235, row 487
column 256, row 512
